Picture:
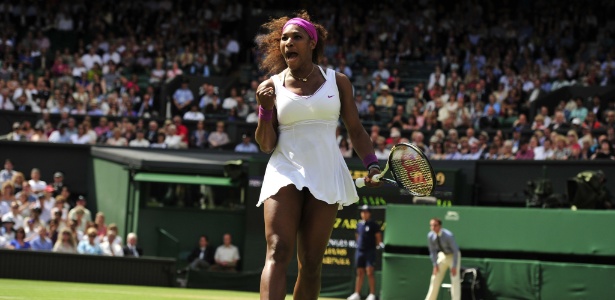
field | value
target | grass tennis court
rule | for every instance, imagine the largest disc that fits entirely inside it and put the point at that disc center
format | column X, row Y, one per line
column 50, row 290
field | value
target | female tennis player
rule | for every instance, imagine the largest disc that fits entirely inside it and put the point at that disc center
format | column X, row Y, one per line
column 306, row 180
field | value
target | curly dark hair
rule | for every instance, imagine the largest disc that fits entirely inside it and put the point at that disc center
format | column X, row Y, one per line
column 269, row 43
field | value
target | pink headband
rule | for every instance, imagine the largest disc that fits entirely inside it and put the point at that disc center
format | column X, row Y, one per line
column 306, row 25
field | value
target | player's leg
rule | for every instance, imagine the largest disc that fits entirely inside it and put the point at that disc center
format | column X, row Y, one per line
column 312, row 239
column 436, row 279
column 282, row 214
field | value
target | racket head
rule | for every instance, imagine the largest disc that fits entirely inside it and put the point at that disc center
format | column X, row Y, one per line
column 411, row 169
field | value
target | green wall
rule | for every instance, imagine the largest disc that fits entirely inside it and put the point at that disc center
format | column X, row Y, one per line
column 406, row 277
column 111, row 189
column 187, row 225
column 586, row 232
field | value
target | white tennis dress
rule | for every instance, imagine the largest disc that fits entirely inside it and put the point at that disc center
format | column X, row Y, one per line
column 307, row 154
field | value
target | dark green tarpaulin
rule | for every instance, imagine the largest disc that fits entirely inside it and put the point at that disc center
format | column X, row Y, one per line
column 185, row 179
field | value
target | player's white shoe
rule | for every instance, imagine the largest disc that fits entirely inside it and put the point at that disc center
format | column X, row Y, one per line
column 371, row 297
column 354, row 296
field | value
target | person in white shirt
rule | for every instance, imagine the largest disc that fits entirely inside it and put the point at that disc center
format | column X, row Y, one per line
column 81, row 137
column 35, row 182
column 110, row 247
column 227, row 256
column 140, row 140
column 90, row 58
column 173, row 140
column 5, row 100
column 194, row 114
column 230, row 101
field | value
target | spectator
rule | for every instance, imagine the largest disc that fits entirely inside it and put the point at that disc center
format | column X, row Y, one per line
column 246, row 144
column 41, row 242
column 182, row 130
column 201, row 257
column 194, row 114
column 489, row 121
column 131, row 249
column 60, row 135
column 605, row 152
column 227, row 256
column 160, row 141
column 101, row 227
column 80, row 205
column 15, row 215
column 199, row 136
column 140, row 140
column 90, row 246
column 19, row 242
column 524, row 152
column 7, row 173
column 152, row 132
column 117, row 139
column 182, row 98
column 218, row 138
column 6, row 197
column 65, row 243
column 172, row 139
column 385, row 99
column 8, row 228
column 381, row 71
column 35, row 182
column 109, row 247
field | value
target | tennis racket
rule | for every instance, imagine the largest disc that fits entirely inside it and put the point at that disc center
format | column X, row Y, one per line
column 410, row 168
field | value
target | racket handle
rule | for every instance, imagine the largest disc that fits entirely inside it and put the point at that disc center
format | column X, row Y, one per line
column 360, row 182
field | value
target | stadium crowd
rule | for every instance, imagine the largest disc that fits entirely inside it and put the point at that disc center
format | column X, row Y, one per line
column 42, row 216
column 488, row 64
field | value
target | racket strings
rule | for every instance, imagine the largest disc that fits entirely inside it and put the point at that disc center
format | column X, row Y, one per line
column 412, row 171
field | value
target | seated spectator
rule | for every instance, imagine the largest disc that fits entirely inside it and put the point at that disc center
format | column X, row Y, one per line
column 35, row 182
column 201, row 257
column 117, row 139
column 140, row 140
column 8, row 228
column 524, row 152
column 490, row 120
column 218, row 138
column 172, row 139
column 19, row 242
column 41, row 242
column 7, row 173
column 159, row 144
column 385, row 99
column 198, row 137
column 194, row 114
column 18, row 182
column 90, row 246
column 101, row 227
column 65, row 243
column 605, row 153
column 131, row 249
column 381, row 151
column 110, row 247
column 227, row 256
column 246, row 144
column 6, row 197
column 182, row 98
column 80, row 204
column 81, row 137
